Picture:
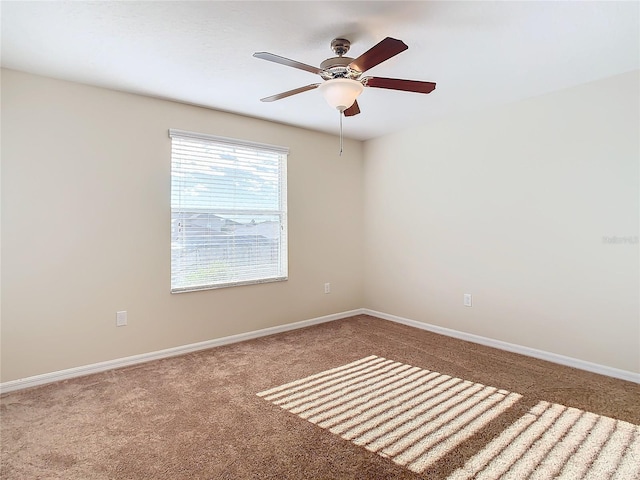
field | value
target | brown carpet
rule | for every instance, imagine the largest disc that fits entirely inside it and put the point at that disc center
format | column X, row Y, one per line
column 229, row 412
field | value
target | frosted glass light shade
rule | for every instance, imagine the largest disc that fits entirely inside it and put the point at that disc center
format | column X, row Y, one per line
column 340, row 93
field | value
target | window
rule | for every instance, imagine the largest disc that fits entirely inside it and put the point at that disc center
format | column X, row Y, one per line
column 228, row 212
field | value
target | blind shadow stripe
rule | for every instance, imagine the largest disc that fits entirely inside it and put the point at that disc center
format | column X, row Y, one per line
column 327, row 380
column 406, row 425
column 331, row 384
column 629, row 463
column 566, row 446
column 354, row 396
column 367, row 360
column 579, row 464
column 400, row 414
column 370, row 399
column 443, row 444
column 608, row 456
column 509, row 461
column 457, row 423
column 434, row 420
column 346, row 390
column 536, row 457
column 404, row 395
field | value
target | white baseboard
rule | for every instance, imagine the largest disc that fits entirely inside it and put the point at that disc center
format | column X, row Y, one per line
column 510, row 347
column 45, row 378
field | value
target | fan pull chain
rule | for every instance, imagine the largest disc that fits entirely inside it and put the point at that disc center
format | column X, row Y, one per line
column 340, row 113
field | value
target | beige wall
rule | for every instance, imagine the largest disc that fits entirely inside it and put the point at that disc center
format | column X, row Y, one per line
column 511, row 205
column 86, row 231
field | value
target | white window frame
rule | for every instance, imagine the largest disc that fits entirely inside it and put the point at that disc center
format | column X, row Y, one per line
column 192, row 271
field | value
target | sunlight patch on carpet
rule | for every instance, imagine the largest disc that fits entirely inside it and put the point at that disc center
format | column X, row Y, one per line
column 415, row 417
column 554, row 441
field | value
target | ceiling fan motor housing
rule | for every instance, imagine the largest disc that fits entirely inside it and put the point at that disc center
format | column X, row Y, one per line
column 338, row 67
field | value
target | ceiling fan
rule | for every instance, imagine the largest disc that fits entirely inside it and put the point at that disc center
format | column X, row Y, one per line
column 343, row 80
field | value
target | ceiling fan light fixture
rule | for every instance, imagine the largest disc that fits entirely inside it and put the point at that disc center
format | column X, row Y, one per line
column 340, row 93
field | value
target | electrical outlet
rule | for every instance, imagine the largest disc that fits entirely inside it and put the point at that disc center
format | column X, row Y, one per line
column 467, row 300
column 121, row 318
column 327, row 288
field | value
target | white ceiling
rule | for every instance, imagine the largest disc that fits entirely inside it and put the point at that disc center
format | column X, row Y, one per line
column 478, row 53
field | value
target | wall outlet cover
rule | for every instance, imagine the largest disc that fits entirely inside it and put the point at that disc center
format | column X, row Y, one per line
column 121, row 318
column 467, row 300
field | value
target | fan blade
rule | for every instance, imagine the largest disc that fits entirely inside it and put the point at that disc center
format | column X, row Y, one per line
column 286, row 61
column 398, row 84
column 352, row 110
column 384, row 50
column 289, row 93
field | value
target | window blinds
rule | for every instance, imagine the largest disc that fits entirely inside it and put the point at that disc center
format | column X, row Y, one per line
column 228, row 212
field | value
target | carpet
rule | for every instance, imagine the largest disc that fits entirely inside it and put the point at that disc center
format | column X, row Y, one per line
column 413, row 405
column 415, row 417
